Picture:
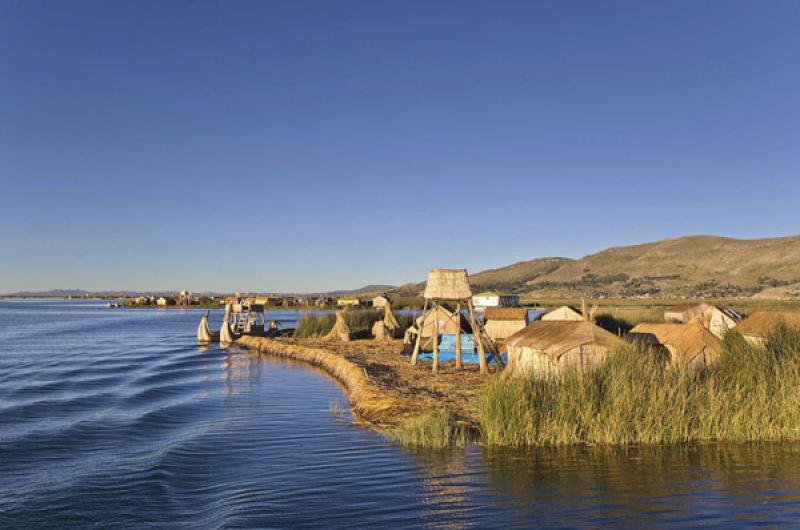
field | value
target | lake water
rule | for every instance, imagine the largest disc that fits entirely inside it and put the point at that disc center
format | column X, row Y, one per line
column 115, row 418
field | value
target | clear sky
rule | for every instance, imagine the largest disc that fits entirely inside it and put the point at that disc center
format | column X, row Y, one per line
column 303, row 146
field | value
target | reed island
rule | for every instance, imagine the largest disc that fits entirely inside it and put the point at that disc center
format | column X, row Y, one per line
column 504, row 375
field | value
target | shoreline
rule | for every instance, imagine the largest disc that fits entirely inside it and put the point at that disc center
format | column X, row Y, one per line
column 634, row 400
column 385, row 392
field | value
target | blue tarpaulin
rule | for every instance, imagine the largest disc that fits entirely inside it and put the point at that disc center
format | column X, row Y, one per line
column 466, row 358
column 447, row 342
column 447, row 350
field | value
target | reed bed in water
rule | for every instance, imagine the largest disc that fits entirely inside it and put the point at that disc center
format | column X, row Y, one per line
column 751, row 395
column 435, row 429
column 359, row 321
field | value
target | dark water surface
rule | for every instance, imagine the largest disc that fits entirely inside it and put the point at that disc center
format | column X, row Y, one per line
column 114, row 418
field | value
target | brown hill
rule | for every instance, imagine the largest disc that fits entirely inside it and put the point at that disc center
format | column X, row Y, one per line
column 695, row 266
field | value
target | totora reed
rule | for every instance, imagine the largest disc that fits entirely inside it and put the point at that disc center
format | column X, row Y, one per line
column 751, row 395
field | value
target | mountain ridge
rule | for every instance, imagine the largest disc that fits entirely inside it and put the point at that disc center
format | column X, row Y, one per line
column 697, row 266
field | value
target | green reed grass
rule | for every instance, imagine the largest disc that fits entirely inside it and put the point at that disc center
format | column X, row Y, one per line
column 359, row 322
column 314, row 325
column 436, row 429
column 753, row 394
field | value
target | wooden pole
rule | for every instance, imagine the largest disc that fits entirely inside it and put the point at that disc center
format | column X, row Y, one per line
column 436, row 346
column 458, row 335
column 476, row 334
column 419, row 335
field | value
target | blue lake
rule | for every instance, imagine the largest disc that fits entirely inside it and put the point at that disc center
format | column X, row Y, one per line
column 115, row 418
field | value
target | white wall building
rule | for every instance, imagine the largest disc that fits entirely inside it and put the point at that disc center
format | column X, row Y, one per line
column 493, row 299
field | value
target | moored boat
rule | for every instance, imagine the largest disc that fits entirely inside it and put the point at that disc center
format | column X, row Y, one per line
column 204, row 332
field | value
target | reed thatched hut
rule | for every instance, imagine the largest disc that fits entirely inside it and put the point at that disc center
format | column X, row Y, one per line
column 563, row 313
column 757, row 327
column 502, row 322
column 715, row 319
column 440, row 319
column 547, row 348
column 689, row 344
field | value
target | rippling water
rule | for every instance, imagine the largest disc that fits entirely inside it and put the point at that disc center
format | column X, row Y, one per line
column 114, row 418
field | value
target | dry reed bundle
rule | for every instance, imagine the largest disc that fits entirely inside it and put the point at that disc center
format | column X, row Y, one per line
column 389, row 320
column 340, row 331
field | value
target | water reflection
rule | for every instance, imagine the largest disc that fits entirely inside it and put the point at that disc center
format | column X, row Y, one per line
column 114, row 418
column 447, row 488
column 636, row 484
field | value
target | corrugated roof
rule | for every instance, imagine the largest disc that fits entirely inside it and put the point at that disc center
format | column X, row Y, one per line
column 688, row 340
column 555, row 337
column 505, row 313
column 762, row 322
column 731, row 313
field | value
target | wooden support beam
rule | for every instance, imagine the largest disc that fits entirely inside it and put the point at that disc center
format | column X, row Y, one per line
column 419, row 335
column 458, row 336
column 477, row 335
column 436, row 346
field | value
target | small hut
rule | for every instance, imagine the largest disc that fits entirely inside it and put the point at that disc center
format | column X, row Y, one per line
column 548, row 348
column 165, row 301
column 715, row 319
column 439, row 321
column 688, row 344
column 502, row 322
column 348, row 301
column 757, row 327
column 494, row 299
column 340, row 330
column 563, row 313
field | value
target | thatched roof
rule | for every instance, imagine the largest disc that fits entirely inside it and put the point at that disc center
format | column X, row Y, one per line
column 688, row 340
column 562, row 313
column 690, row 311
column 505, row 313
column 682, row 308
column 448, row 284
column 556, row 337
column 761, row 323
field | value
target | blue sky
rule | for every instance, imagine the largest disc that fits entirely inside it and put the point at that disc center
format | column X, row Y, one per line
column 303, row 146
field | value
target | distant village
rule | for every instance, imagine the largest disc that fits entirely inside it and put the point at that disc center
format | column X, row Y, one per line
column 188, row 299
column 454, row 324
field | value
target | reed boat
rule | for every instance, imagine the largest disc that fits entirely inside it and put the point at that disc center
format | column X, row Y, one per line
column 204, row 332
